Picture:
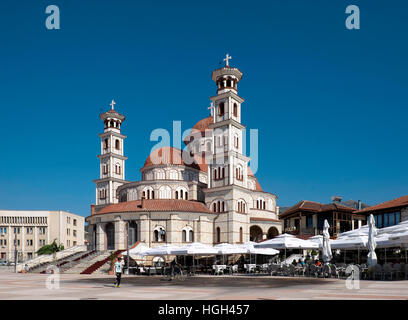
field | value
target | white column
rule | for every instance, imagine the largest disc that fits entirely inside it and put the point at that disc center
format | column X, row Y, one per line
column 35, row 240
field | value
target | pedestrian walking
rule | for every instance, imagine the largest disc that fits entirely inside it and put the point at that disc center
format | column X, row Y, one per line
column 118, row 270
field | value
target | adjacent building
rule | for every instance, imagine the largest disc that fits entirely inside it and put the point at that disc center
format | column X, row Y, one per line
column 306, row 218
column 388, row 213
column 34, row 229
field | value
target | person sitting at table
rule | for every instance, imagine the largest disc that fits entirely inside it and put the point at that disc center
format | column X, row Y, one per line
column 294, row 262
column 301, row 262
column 318, row 263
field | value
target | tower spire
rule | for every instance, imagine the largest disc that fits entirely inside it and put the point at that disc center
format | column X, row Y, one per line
column 227, row 58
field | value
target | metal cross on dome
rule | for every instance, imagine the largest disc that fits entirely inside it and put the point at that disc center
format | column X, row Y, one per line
column 112, row 104
column 227, row 58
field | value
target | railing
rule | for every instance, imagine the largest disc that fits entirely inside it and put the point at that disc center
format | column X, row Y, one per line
column 50, row 257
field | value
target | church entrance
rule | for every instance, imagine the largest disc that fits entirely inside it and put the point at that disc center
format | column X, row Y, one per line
column 133, row 238
column 110, row 236
column 255, row 234
column 272, row 232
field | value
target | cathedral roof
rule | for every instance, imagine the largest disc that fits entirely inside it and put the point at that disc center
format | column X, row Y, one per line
column 173, row 156
column 156, row 205
column 200, row 127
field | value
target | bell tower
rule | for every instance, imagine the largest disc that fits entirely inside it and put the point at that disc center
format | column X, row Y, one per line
column 112, row 159
column 229, row 165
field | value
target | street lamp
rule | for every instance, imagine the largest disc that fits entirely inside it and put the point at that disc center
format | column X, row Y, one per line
column 127, row 249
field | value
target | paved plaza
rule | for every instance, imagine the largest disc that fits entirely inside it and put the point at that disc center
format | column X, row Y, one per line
column 98, row 287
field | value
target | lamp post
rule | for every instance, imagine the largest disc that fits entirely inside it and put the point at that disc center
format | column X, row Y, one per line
column 15, row 250
column 127, row 249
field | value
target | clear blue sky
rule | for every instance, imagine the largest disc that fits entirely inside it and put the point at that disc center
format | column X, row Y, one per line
column 330, row 104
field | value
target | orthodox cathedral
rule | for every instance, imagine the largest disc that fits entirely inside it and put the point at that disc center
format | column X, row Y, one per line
column 206, row 193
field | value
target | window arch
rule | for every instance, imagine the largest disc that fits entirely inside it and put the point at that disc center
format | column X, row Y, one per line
column 160, row 175
column 235, row 110
column 159, row 234
column 106, row 143
column 221, row 109
column 239, row 175
column 218, row 235
column 148, row 175
column 165, row 192
column 117, row 144
column 117, row 168
column 260, row 204
column 187, row 234
column 148, row 193
column 242, row 207
column 219, row 206
column 173, row 175
column 236, row 141
column 181, row 193
column 241, row 235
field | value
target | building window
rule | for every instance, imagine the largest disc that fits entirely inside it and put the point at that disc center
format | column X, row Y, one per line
column 239, row 173
column 221, row 109
column 241, row 235
column 68, row 232
column 74, row 233
column 219, row 206
column 75, row 222
column 241, row 206
column 117, row 169
column 218, row 239
column 235, row 110
column 106, row 143
column 165, row 192
column 260, row 204
column 160, row 175
column 117, row 144
column 159, row 234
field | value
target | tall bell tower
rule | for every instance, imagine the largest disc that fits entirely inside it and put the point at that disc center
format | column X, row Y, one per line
column 229, row 165
column 112, row 159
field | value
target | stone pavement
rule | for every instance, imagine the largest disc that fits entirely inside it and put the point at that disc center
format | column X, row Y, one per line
column 95, row 287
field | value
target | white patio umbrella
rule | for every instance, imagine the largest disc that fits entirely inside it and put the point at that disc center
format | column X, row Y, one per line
column 326, row 248
column 136, row 252
column 250, row 249
column 193, row 249
column 371, row 257
column 287, row 241
column 349, row 243
column 227, row 248
column 402, row 238
column 164, row 250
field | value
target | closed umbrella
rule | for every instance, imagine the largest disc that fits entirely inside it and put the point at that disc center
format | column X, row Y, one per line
column 326, row 250
column 372, row 232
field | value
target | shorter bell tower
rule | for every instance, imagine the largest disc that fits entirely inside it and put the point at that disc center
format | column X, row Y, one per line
column 112, row 159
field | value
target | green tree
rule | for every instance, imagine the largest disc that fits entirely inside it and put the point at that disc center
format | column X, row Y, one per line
column 52, row 248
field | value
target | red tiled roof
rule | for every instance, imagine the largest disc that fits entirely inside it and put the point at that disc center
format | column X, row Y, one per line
column 263, row 219
column 170, row 155
column 156, row 205
column 395, row 203
column 312, row 206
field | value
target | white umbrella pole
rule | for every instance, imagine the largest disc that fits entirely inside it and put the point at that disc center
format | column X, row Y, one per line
column 344, row 256
column 385, row 254
column 358, row 252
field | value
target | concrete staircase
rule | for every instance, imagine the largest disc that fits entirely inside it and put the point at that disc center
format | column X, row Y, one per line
column 89, row 261
column 42, row 268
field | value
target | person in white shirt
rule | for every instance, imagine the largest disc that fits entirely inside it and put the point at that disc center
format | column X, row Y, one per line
column 118, row 270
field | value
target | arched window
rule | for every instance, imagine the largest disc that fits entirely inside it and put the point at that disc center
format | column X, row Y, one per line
column 241, row 235
column 218, row 238
column 173, row 175
column 106, row 143
column 117, row 144
column 148, row 193
column 221, row 109
column 229, row 83
column 235, row 110
column 149, row 175
column 159, row 234
column 239, row 173
column 165, row 192
column 117, row 169
column 241, row 206
column 160, row 175
column 236, row 141
column 187, row 234
column 208, row 146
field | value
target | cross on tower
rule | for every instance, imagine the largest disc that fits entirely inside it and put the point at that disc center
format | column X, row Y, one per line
column 211, row 107
column 112, row 104
column 227, row 57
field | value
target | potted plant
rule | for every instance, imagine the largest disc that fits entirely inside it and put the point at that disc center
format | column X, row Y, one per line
column 112, row 259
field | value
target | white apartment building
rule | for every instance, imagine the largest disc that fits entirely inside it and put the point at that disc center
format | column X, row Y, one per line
column 33, row 229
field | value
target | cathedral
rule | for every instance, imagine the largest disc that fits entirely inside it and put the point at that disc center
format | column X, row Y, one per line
column 205, row 193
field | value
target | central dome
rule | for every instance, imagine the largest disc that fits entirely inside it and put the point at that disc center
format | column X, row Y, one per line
column 173, row 156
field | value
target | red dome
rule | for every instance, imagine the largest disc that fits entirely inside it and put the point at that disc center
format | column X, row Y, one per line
column 199, row 127
column 173, row 156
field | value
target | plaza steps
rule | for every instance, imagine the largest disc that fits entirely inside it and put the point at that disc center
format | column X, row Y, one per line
column 41, row 268
column 84, row 264
column 74, row 262
column 99, row 263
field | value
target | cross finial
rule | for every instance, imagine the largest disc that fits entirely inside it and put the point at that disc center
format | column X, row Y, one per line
column 227, row 58
column 211, row 107
column 112, row 104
